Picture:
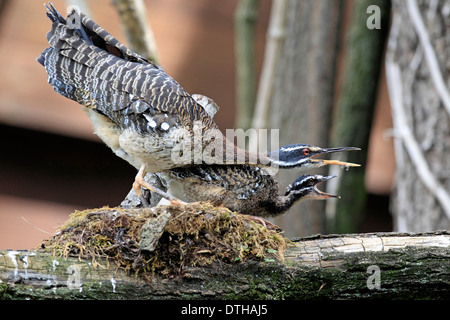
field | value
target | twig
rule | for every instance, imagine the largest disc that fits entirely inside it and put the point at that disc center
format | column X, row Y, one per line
column 392, row 45
column 275, row 39
column 81, row 4
column 41, row 230
column 137, row 30
column 430, row 56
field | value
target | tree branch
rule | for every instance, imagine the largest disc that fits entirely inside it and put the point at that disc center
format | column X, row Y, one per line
column 354, row 113
column 275, row 37
column 401, row 127
column 81, row 4
column 334, row 266
column 137, row 30
column 412, row 147
column 244, row 24
column 430, row 56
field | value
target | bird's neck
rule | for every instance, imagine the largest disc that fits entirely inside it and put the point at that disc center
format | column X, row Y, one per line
column 279, row 205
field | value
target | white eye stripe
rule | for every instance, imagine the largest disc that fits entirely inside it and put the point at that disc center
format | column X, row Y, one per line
column 289, row 149
column 309, row 179
column 288, row 163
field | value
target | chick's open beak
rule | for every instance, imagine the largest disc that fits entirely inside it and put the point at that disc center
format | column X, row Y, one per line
column 335, row 162
column 320, row 194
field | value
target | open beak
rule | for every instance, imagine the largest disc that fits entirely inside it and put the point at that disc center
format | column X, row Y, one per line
column 320, row 194
column 335, row 162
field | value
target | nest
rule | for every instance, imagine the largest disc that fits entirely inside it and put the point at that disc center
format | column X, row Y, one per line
column 195, row 234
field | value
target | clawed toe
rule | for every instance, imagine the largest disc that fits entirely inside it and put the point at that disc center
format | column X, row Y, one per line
column 139, row 182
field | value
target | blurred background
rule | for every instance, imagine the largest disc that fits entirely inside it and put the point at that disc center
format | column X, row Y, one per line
column 52, row 164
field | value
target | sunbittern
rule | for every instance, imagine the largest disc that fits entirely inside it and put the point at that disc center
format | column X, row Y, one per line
column 138, row 110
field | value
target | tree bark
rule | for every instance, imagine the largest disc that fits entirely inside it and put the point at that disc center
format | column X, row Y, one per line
column 137, row 30
column 418, row 74
column 274, row 43
column 353, row 266
column 303, row 94
column 354, row 112
column 244, row 25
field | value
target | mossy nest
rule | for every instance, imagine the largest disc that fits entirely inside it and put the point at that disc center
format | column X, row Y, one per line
column 196, row 234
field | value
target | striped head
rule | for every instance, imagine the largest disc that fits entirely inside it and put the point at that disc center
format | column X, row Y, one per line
column 305, row 187
column 304, row 156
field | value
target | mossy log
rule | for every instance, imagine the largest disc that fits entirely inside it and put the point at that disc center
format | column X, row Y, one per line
column 375, row 265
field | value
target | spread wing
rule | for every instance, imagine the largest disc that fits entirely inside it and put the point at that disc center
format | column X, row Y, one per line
column 88, row 65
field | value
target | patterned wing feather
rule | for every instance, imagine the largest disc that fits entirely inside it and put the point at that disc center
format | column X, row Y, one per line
column 88, row 65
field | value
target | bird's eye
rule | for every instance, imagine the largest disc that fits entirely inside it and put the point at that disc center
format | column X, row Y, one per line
column 306, row 152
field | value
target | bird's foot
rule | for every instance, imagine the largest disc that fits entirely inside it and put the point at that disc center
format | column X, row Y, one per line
column 139, row 182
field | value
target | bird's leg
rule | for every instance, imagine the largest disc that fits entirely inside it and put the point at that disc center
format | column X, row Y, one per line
column 139, row 182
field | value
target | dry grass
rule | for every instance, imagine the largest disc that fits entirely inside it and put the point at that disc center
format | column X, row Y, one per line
column 196, row 234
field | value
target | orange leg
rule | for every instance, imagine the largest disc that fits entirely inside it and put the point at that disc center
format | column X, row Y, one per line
column 139, row 182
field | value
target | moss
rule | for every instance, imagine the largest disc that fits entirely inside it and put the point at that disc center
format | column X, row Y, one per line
column 5, row 291
column 196, row 234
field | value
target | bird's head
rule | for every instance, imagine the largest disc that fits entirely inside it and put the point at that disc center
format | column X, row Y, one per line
column 305, row 187
column 304, row 155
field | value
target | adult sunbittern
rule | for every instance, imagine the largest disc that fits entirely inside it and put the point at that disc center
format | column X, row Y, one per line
column 138, row 110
